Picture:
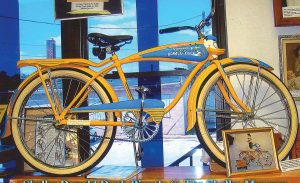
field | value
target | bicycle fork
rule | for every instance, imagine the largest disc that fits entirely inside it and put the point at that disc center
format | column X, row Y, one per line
column 231, row 90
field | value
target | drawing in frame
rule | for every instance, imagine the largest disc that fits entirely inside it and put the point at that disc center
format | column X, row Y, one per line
column 286, row 12
column 250, row 151
column 75, row 9
column 289, row 56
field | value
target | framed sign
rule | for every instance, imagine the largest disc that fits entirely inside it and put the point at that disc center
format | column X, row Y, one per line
column 250, row 151
column 286, row 12
column 289, row 55
column 72, row 9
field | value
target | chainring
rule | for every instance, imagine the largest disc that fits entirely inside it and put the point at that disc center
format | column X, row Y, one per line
column 139, row 133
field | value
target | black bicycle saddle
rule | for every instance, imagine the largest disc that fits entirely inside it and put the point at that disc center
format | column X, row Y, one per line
column 105, row 40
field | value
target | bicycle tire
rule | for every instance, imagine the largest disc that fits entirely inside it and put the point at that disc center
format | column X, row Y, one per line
column 265, row 159
column 72, row 161
column 214, row 146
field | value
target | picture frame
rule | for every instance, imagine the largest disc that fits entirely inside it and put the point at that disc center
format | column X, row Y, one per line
column 289, row 56
column 250, row 151
column 286, row 12
column 76, row 9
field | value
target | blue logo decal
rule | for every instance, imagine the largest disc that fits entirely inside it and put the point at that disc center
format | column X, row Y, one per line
column 195, row 52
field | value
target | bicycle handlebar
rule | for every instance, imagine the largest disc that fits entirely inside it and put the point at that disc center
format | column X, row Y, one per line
column 175, row 29
column 197, row 28
column 205, row 22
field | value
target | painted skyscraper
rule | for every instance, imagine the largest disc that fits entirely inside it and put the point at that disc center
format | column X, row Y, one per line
column 51, row 48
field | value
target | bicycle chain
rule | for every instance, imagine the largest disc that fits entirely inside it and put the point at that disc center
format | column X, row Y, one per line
column 102, row 137
column 118, row 139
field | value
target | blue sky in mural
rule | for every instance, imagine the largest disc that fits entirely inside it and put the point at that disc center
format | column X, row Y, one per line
column 33, row 36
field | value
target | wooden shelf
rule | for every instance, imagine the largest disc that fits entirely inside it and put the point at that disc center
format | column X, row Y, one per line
column 7, row 172
column 173, row 173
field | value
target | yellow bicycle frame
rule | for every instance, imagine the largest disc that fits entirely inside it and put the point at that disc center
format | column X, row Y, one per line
column 109, row 64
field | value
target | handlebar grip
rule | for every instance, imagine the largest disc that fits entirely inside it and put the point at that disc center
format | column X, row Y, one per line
column 169, row 30
column 175, row 29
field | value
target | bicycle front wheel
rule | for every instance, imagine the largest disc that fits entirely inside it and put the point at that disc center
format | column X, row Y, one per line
column 270, row 101
column 60, row 150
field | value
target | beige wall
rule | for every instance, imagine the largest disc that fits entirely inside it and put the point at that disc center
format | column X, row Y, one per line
column 251, row 31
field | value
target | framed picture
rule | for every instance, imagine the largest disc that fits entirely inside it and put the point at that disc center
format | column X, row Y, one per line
column 72, row 9
column 250, row 151
column 289, row 55
column 286, row 12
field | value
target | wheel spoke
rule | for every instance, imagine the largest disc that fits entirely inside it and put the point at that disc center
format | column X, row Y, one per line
column 271, row 113
column 242, row 87
column 61, row 155
column 269, row 96
column 260, row 91
column 47, row 129
column 256, row 90
column 52, row 145
column 263, row 97
column 68, row 91
column 273, row 103
column 269, row 123
column 221, row 99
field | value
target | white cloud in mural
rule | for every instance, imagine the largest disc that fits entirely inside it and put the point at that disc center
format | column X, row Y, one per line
column 57, row 40
column 129, row 13
column 115, row 29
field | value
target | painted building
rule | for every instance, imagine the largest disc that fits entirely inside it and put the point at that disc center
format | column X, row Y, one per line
column 51, row 48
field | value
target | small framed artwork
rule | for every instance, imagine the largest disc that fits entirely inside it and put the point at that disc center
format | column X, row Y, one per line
column 289, row 56
column 250, row 151
column 286, row 12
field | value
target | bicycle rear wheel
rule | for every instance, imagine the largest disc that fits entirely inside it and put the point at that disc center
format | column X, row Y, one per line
column 60, row 150
column 269, row 99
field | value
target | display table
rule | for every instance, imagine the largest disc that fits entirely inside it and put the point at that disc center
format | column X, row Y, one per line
column 170, row 174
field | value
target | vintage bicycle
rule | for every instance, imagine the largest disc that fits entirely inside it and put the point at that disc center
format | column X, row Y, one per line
column 257, row 155
column 260, row 157
column 71, row 104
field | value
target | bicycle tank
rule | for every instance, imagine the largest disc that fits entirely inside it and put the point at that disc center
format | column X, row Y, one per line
column 191, row 51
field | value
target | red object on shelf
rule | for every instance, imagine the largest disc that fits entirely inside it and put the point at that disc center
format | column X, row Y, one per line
column 296, row 147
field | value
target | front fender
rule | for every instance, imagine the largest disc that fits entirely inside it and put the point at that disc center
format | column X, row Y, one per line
column 201, row 79
column 85, row 70
column 245, row 60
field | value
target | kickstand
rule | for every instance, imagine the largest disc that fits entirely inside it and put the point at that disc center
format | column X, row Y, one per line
column 137, row 147
column 138, row 152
